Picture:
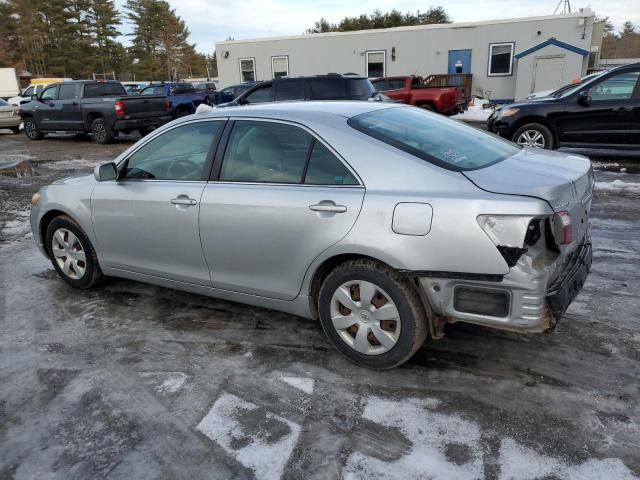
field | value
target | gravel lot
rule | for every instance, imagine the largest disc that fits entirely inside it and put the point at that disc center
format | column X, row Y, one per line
column 131, row 381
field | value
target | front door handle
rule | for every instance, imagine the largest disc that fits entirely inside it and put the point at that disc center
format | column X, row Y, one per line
column 183, row 200
column 328, row 206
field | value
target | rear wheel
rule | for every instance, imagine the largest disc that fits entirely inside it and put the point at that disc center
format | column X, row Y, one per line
column 372, row 314
column 533, row 135
column 72, row 254
column 101, row 132
column 428, row 107
column 31, row 129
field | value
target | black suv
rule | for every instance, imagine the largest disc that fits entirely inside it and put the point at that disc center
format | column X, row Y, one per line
column 601, row 113
column 316, row 87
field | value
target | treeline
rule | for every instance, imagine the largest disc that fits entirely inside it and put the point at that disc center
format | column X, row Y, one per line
column 626, row 44
column 377, row 19
column 80, row 38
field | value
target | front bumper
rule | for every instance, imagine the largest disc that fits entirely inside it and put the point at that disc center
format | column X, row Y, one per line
column 136, row 123
column 534, row 303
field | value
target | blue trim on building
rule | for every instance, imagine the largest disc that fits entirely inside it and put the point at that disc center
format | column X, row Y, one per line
column 557, row 43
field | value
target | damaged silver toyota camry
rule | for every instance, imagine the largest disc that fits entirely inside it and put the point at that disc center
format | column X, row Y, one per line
column 384, row 221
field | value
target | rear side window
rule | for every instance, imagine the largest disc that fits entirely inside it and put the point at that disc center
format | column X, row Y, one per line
column 326, row 169
column 96, row 90
column 360, row 88
column 397, row 84
column 67, row 91
column 265, row 152
column 328, row 88
column 290, row 90
column 260, row 95
column 159, row 90
column 433, row 138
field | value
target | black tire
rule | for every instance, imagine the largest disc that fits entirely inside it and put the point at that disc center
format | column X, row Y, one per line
column 428, row 107
column 181, row 112
column 146, row 131
column 101, row 132
column 413, row 324
column 92, row 274
column 545, row 134
column 31, row 129
column 15, row 129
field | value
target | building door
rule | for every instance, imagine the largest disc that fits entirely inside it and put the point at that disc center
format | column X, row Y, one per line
column 549, row 73
column 459, row 61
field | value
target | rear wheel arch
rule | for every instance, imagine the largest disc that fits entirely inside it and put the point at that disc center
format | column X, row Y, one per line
column 431, row 106
column 91, row 116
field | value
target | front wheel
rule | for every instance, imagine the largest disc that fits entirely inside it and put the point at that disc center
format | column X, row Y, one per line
column 72, row 254
column 101, row 132
column 534, row 135
column 31, row 129
column 372, row 314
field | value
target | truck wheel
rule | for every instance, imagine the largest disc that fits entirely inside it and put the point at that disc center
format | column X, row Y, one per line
column 372, row 314
column 31, row 129
column 428, row 107
column 533, row 135
column 101, row 132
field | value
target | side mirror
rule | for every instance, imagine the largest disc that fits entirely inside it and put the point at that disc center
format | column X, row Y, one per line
column 584, row 99
column 105, row 172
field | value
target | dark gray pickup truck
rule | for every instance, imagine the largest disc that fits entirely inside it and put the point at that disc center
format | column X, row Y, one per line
column 100, row 107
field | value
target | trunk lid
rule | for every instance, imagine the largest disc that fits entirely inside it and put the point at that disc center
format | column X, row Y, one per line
column 144, row 106
column 564, row 181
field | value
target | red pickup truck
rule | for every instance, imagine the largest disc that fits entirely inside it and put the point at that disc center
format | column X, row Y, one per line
column 435, row 93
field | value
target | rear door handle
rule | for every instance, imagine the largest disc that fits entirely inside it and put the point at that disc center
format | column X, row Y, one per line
column 183, row 200
column 328, row 206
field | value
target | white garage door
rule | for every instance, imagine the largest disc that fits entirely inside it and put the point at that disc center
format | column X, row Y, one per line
column 549, row 73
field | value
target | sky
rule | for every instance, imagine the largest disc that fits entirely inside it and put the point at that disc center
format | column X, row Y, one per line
column 214, row 20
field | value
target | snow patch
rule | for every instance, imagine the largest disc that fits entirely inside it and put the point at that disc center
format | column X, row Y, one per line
column 522, row 463
column 258, row 439
column 618, row 186
column 475, row 113
column 171, row 381
column 301, row 383
column 434, row 437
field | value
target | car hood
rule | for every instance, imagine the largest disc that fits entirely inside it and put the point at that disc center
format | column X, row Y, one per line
column 533, row 102
column 76, row 180
column 563, row 180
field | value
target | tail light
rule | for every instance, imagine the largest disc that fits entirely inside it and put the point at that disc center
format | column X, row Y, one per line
column 167, row 105
column 119, row 107
column 562, row 230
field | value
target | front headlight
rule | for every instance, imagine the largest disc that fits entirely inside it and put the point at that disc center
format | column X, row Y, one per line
column 507, row 112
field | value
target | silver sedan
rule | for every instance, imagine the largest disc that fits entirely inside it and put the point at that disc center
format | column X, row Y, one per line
column 384, row 221
column 9, row 117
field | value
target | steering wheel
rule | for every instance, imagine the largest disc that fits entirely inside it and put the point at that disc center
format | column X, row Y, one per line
column 183, row 168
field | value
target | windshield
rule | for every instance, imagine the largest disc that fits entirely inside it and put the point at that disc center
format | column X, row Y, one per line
column 431, row 137
column 569, row 89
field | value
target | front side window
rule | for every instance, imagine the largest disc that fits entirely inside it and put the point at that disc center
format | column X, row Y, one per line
column 280, row 66
column 617, row 87
column 500, row 59
column 290, row 90
column 50, row 93
column 375, row 63
column 265, row 152
column 178, row 154
column 446, row 143
column 260, row 95
column 326, row 169
column 67, row 92
column 396, row 84
column 247, row 70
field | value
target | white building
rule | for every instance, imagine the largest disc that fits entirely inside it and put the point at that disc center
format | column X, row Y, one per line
column 508, row 58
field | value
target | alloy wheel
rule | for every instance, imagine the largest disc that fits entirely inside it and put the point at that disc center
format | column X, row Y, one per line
column 69, row 253
column 365, row 317
column 30, row 129
column 531, row 138
column 99, row 131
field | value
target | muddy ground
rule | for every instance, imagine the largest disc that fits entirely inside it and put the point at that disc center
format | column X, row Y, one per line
column 131, row 381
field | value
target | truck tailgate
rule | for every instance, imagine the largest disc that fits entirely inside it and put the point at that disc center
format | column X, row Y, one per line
column 145, row 106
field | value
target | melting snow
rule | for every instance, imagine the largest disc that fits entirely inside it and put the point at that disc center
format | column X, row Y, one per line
column 521, row 463
column 301, row 383
column 257, row 438
column 475, row 113
column 618, row 186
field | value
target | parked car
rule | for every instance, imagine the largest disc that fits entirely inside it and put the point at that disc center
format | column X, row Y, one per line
column 383, row 220
column 411, row 90
column 100, row 107
column 134, row 88
column 316, row 87
column 237, row 90
column 216, row 96
column 183, row 97
column 9, row 116
column 603, row 112
column 35, row 89
column 552, row 92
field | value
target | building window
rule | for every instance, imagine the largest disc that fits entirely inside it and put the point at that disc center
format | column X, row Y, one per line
column 500, row 59
column 280, row 66
column 247, row 70
column 375, row 63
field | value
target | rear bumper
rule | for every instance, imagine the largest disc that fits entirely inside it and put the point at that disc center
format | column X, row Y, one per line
column 10, row 121
column 136, row 123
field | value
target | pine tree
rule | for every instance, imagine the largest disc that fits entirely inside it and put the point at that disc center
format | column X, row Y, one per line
column 104, row 21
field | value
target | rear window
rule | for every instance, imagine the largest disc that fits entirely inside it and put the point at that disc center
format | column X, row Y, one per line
column 95, row 90
column 360, row 88
column 431, row 137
